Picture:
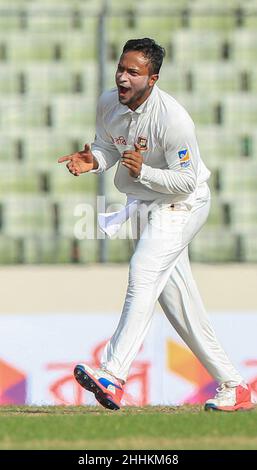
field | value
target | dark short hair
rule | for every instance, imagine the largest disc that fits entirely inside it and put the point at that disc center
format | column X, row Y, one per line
column 150, row 49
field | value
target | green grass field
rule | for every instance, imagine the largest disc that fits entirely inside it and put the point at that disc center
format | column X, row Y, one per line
column 186, row 427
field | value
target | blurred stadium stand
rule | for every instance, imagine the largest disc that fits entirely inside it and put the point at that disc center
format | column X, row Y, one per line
column 48, row 94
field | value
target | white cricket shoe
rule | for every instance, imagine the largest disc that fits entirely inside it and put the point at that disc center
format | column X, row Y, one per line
column 231, row 399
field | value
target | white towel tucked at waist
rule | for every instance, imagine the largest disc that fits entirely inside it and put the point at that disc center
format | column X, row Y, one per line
column 110, row 222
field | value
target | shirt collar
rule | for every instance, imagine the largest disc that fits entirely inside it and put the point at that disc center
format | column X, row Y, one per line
column 143, row 108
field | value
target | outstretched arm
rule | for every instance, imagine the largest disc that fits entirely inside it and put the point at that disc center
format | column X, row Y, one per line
column 80, row 162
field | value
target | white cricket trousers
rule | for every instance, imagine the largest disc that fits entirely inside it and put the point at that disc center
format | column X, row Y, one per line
column 160, row 269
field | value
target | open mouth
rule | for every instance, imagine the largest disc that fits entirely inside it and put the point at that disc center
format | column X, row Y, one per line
column 123, row 90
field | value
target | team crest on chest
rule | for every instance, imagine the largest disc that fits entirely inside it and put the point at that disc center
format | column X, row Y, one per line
column 142, row 142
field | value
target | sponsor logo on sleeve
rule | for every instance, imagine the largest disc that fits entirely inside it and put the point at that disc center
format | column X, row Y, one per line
column 184, row 158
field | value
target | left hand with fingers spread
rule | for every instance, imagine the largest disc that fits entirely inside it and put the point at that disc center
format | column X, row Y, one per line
column 133, row 161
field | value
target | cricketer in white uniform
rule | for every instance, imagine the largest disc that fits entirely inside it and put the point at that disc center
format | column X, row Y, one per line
column 152, row 138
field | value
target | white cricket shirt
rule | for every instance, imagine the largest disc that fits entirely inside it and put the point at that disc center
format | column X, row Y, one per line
column 172, row 170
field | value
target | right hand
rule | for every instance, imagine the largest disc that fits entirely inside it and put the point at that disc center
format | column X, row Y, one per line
column 79, row 162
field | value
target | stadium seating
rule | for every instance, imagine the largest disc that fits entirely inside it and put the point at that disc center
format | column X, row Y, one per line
column 218, row 144
column 25, row 47
column 217, row 214
column 77, row 213
column 44, row 146
column 10, row 148
column 19, row 178
column 119, row 250
column 58, row 249
column 11, row 80
column 205, row 111
column 50, row 79
column 244, row 46
column 48, row 92
column 23, row 215
column 71, row 111
column 238, row 176
column 191, row 46
column 52, row 17
column 226, row 78
column 23, row 113
column 61, row 184
column 201, row 19
column 43, row 249
column 240, row 109
column 9, row 250
column 176, row 79
column 10, row 22
column 243, row 212
column 215, row 245
column 250, row 247
column 253, row 144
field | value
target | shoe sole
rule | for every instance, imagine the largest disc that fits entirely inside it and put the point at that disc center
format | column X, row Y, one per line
column 86, row 381
column 247, row 406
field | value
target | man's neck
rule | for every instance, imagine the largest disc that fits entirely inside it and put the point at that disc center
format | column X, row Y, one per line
column 135, row 106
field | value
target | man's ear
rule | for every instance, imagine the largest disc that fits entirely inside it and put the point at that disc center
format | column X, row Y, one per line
column 153, row 79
